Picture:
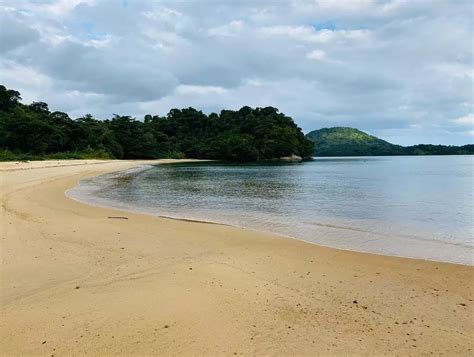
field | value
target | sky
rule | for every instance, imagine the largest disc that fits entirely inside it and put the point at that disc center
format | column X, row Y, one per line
column 398, row 69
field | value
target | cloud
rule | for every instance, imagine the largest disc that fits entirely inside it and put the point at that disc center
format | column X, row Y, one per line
column 310, row 34
column 62, row 7
column 199, row 90
column 465, row 120
column 86, row 69
column 14, row 31
column 230, row 29
column 396, row 68
column 316, row 55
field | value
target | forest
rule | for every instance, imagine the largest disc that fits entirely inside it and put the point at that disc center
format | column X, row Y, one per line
column 343, row 141
column 32, row 131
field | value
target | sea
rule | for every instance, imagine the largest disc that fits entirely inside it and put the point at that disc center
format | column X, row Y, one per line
column 407, row 206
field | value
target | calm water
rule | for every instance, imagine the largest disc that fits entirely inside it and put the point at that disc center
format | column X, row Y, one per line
column 405, row 206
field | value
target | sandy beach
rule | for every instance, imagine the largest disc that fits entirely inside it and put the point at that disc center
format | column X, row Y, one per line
column 75, row 280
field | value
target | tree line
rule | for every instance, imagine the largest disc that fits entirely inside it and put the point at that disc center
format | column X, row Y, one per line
column 344, row 141
column 248, row 134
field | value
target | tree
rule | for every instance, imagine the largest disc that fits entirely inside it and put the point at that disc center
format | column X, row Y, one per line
column 244, row 135
column 39, row 107
column 9, row 98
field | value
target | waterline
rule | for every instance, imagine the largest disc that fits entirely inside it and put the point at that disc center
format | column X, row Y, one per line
column 389, row 206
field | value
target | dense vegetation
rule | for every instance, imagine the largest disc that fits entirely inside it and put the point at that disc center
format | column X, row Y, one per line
column 350, row 142
column 428, row 149
column 342, row 141
column 33, row 131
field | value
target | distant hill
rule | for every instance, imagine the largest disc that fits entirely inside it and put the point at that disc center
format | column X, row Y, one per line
column 343, row 141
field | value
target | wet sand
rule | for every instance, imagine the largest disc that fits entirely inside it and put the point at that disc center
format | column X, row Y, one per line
column 75, row 281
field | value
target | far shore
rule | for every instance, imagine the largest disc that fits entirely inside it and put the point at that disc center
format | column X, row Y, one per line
column 74, row 280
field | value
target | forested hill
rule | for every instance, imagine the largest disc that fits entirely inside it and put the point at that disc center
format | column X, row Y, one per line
column 342, row 141
column 33, row 131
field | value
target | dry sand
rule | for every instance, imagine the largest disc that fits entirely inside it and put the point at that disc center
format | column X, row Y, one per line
column 74, row 281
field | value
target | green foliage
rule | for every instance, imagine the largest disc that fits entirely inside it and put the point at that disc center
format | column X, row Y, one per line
column 244, row 135
column 341, row 141
column 6, row 155
column 427, row 149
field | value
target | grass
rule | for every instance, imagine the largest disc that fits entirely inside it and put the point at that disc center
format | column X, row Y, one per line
column 6, row 155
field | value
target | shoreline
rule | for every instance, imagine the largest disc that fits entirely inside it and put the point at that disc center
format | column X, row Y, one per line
column 256, row 230
column 262, row 231
column 88, row 284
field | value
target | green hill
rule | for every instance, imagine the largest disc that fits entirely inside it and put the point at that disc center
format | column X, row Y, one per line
column 342, row 141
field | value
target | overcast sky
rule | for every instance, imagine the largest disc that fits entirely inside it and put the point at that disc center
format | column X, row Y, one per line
column 401, row 69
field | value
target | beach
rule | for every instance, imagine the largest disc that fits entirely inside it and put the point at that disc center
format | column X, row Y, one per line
column 78, row 279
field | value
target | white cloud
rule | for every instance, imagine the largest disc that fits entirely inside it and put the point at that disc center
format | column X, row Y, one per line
column 309, row 34
column 316, row 55
column 165, row 40
column 455, row 69
column 333, row 6
column 465, row 120
column 63, row 7
column 163, row 14
column 199, row 90
column 344, row 5
column 53, row 9
column 230, row 29
column 31, row 83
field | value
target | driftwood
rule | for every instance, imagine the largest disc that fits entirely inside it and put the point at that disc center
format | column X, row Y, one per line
column 118, row 217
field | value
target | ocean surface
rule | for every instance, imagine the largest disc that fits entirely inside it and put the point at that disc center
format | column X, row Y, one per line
column 418, row 206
